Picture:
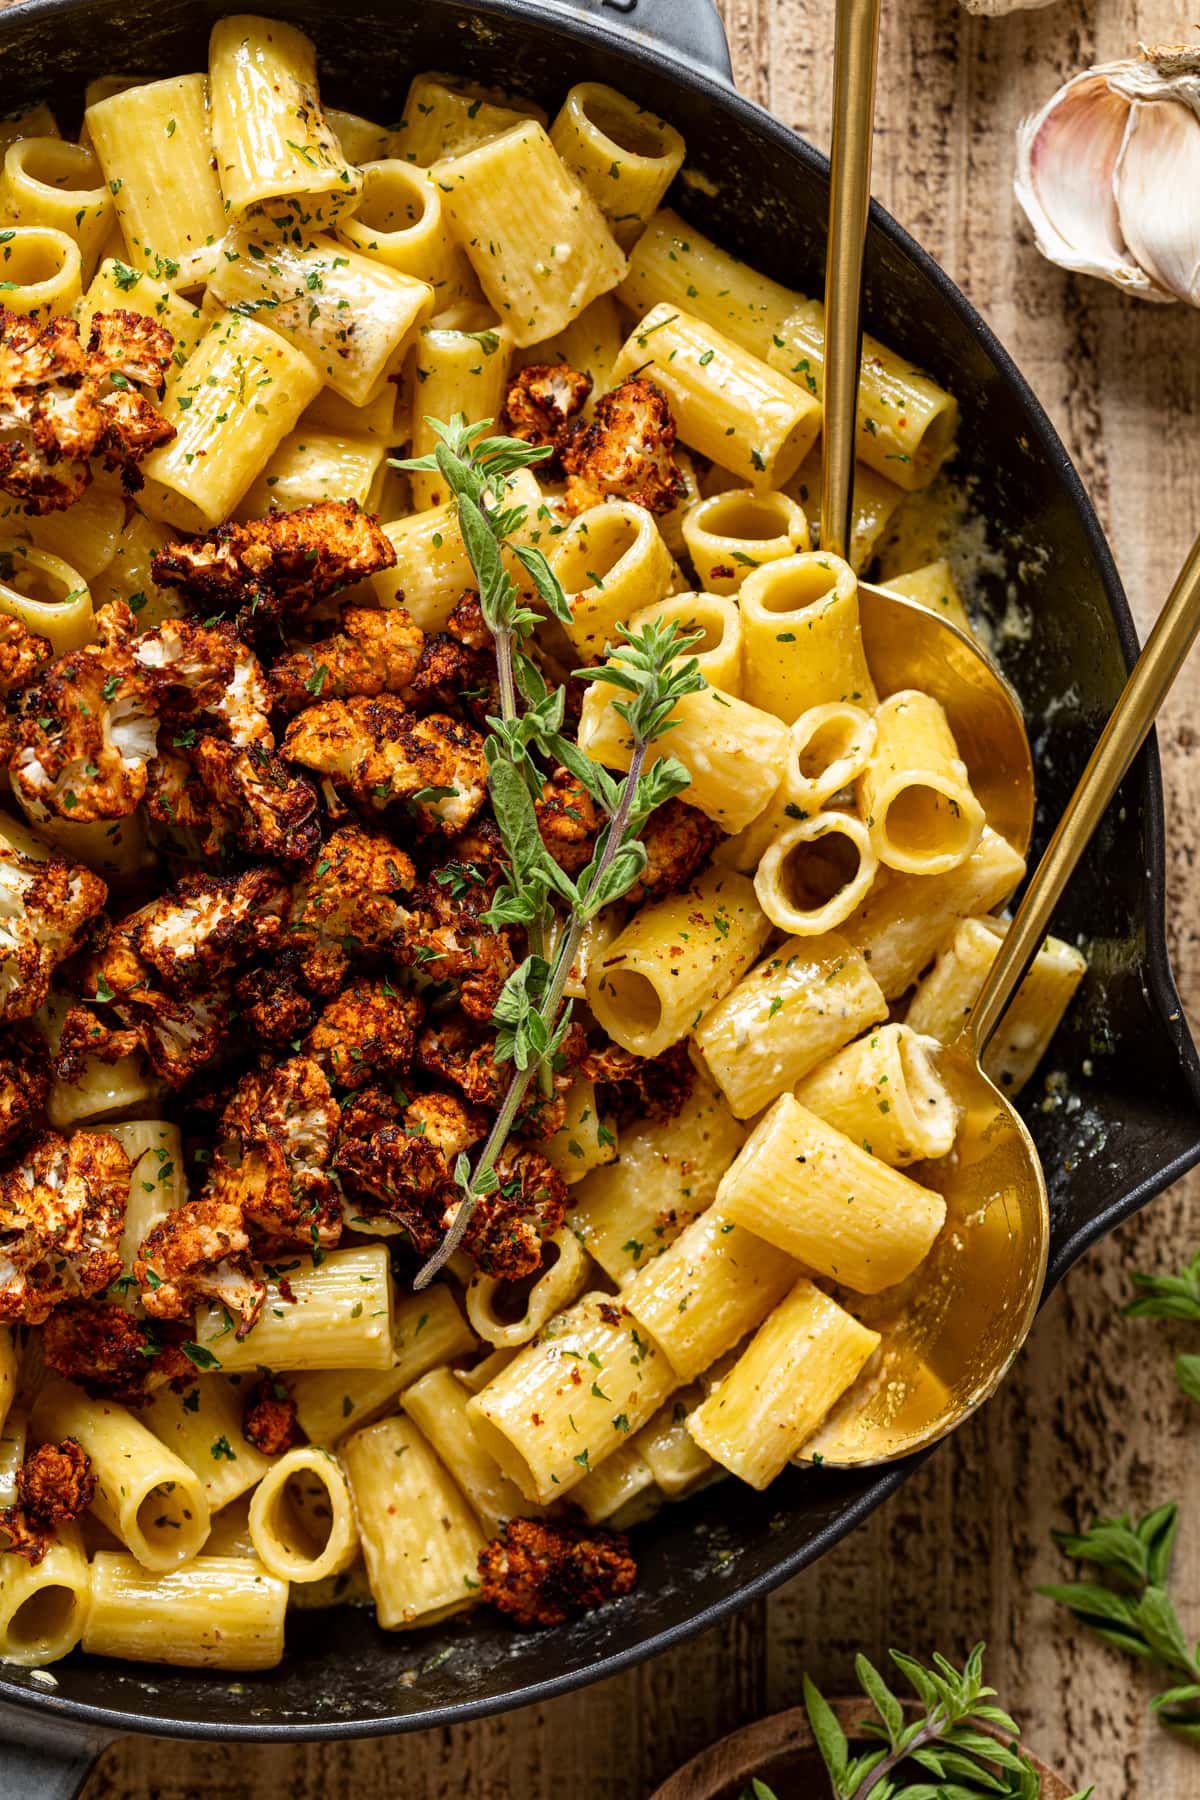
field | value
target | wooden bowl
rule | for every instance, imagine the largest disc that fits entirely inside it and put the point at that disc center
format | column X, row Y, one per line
column 781, row 1751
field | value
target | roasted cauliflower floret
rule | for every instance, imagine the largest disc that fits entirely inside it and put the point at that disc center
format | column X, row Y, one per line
column 60, row 404
column 200, row 1252
column 444, row 940
column 272, row 1004
column 508, row 1227
column 276, row 1146
column 367, row 1032
column 349, row 900
column 367, row 1110
column 111, row 1353
column 374, row 652
column 382, row 756
column 640, row 1087
column 677, row 840
column 275, row 810
column 190, row 821
column 126, row 1008
column 24, row 1086
column 625, row 452
column 87, row 731
column 405, row 1172
column 276, row 567
column 466, row 624
column 541, row 403
column 44, row 907
column 23, row 655
column 207, row 675
column 269, row 1417
column 54, row 1485
column 460, row 1054
column 450, row 674
column 208, row 925
column 540, row 1574
column 568, row 820
column 61, row 1212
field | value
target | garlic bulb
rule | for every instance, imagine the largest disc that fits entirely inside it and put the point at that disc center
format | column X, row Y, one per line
column 1108, row 174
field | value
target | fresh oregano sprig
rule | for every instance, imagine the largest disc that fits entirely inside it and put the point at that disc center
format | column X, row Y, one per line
column 955, row 1757
column 1129, row 1606
column 1173, row 1297
column 653, row 673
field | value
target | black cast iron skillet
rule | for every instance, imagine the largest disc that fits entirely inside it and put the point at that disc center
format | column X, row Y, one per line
column 1134, row 1123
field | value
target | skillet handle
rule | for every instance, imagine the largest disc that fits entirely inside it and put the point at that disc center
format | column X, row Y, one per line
column 689, row 30
column 44, row 1760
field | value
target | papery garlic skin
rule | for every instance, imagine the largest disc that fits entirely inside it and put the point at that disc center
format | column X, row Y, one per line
column 1108, row 174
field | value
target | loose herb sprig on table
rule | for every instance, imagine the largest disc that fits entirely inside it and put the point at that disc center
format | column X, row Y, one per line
column 958, row 1760
column 1131, row 1609
column 651, row 671
column 1173, row 1297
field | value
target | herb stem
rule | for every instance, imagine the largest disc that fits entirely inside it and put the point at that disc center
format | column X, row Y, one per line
column 930, row 1732
column 518, row 1087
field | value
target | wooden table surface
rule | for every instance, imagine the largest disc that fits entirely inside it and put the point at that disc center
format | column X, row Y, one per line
column 1090, row 1418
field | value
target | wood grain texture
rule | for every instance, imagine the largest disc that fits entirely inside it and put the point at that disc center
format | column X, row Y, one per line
column 1090, row 1416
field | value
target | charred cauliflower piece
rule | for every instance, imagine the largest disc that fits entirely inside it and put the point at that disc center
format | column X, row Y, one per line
column 274, row 809
column 272, row 1004
column 677, row 840
column 60, row 404
column 205, row 673
column 110, row 1353
column 350, row 899
column 276, row 1146
column 640, row 1087
column 367, row 1110
column 276, row 567
column 24, row 1086
column 61, row 1212
column 190, row 820
column 179, row 1032
column 44, row 907
column 444, row 940
column 209, row 923
column 367, row 1032
column 199, row 1252
column 406, row 1171
column 542, row 401
column 625, row 452
column 456, row 1052
column 54, row 1485
column 374, row 652
column 450, row 674
column 568, row 820
column 87, row 731
column 540, row 1574
column 269, row 1417
column 24, row 656
column 466, row 624
column 382, row 755
column 508, row 1227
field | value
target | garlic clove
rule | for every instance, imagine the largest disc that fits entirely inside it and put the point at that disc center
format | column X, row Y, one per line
column 1066, row 160
column 1157, row 187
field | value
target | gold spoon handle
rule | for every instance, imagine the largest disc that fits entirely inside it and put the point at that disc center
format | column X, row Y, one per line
column 1156, row 668
column 855, row 55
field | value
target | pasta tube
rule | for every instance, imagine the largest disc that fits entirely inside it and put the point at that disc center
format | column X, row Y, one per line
column 800, row 1362
column 455, row 372
column 336, row 1314
column 508, row 1314
column 61, row 187
column 874, row 506
column 444, row 116
column 906, row 423
column 432, row 567
column 934, row 587
column 146, row 1495
column 399, row 220
column 812, row 1192
column 718, row 621
column 437, row 1405
column 154, row 145
column 914, row 793
column 583, row 1141
column 420, row 1539
column 732, row 533
column 625, row 156
column 203, row 1428
column 672, row 1454
column 302, row 1517
column 619, row 1480
column 813, row 875
column 42, row 271
column 612, row 563
column 218, row 1612
column 668, row 1171
column 232, row 404
column 568, row 1401
column 157, row 1184
column 677, row 265
column 884, row 1092
column 36, row 121
column 727, row 404
column 905, row 918
column 128, row 576
column 803, row 640
column 272, row 143
column 428, row 1329
column 715, row 1283
column 13, row 1432
column 362, row 140
column 536, row 239
column 592, row 342
column 84, row 538
column 828, row 748
column 43, row 1606
column 801, row 1004
column 674, row 960
column 310, row 466
column 945, row 997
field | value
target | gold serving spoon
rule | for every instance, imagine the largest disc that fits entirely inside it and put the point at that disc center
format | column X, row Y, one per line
column 906, row 644
column 950, row 1338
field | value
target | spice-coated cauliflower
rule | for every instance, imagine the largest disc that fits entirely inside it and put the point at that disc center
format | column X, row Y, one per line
column 208, row 924
column 87, row 731
column 541, row 402
column 62, row 404
column 382, row 755
column 444, row 940
column 276, row 1145
column 274, row 809
column 539, row 1573
column 206, row 676
column 111, row 1353
column 24, row 1086
column 404, row 1172
column 200, row 1251
column 367, row 1032
column 625, row 452
column 54, row 1485
column 125, row 1008
column 62, row 1207
column 44, row 907
column 373, row 652
column 269, row 1416
column 569, row 820
column 348, row 900
column 677, row 839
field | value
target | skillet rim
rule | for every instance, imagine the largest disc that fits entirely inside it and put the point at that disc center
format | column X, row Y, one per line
column 559, row 16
